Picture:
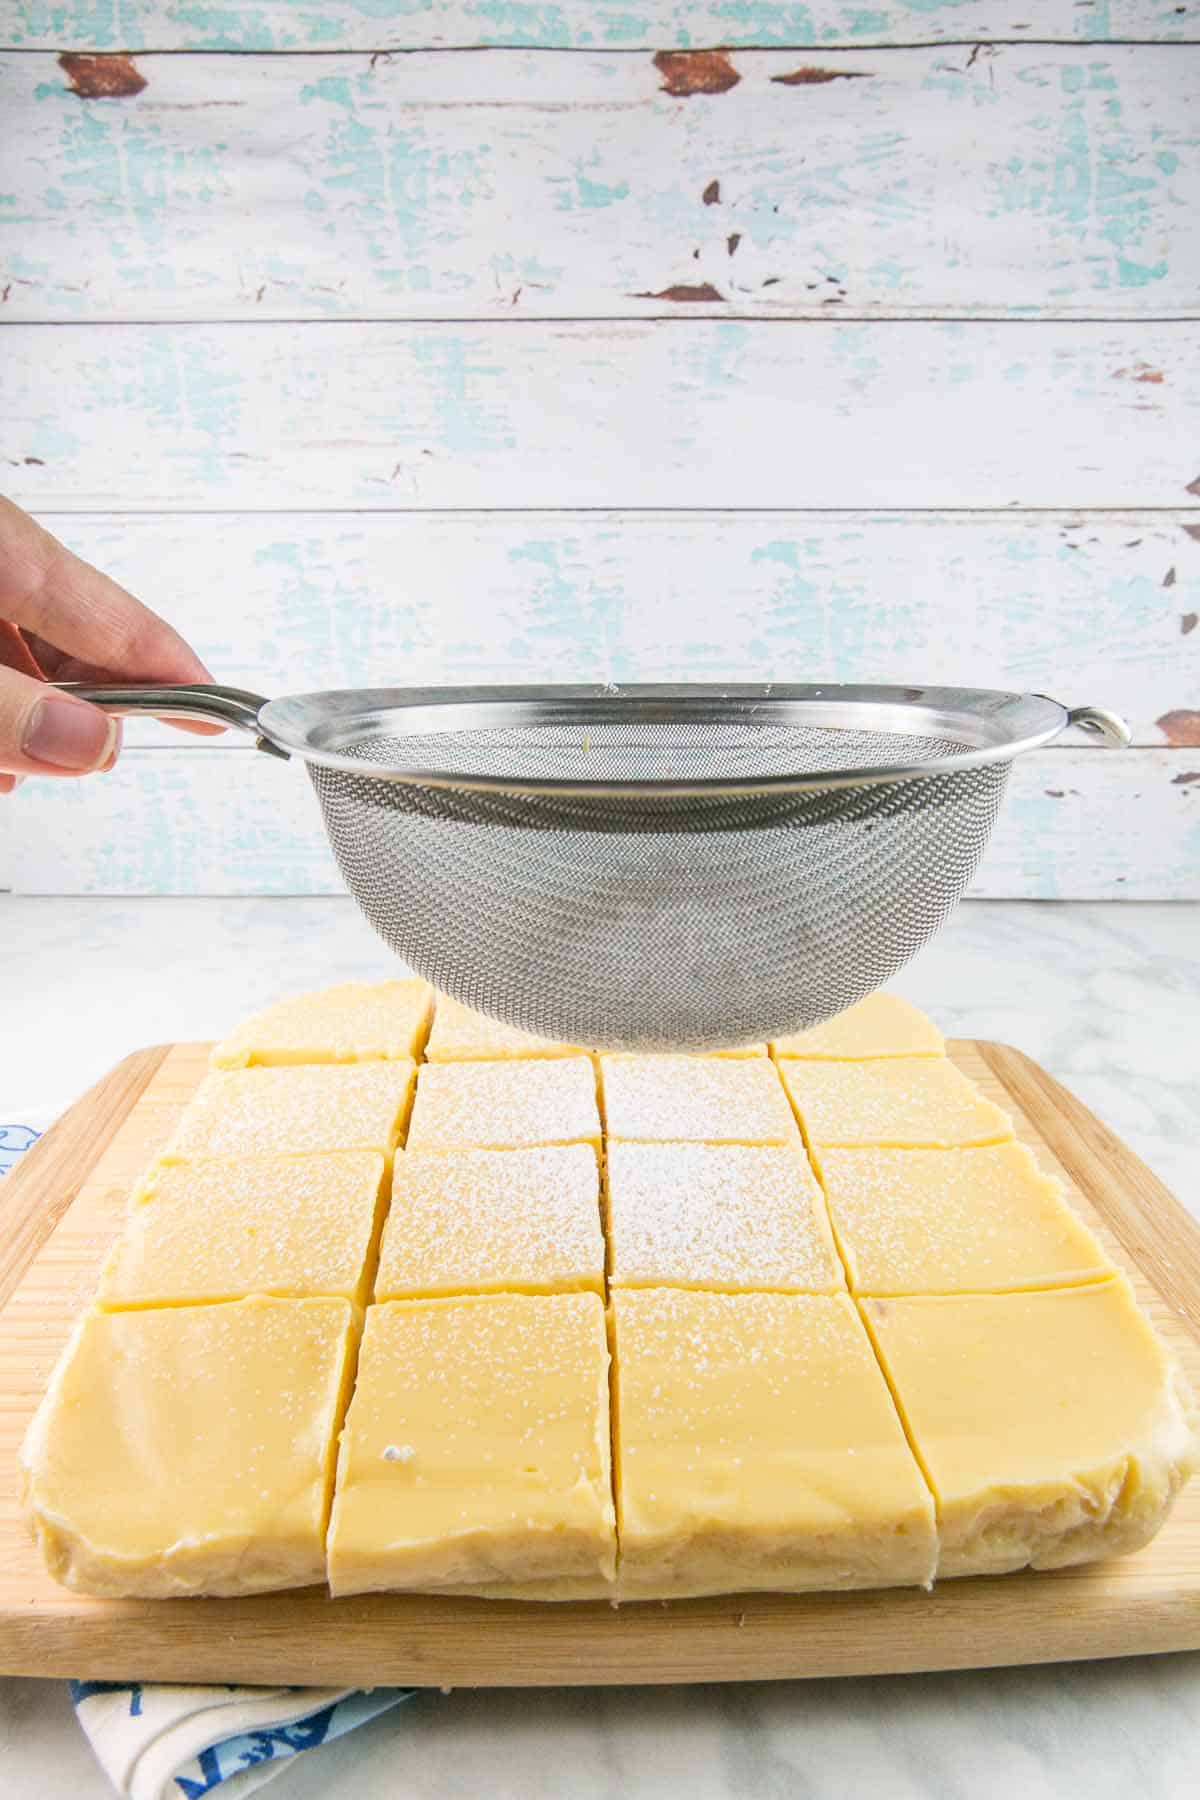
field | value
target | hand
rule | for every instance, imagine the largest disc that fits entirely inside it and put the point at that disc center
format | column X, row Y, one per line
column 62, row 620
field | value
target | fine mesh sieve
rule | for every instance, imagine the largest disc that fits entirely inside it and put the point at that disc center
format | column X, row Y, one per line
column 650, row 867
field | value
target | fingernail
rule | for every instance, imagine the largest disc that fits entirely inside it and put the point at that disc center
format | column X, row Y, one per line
column 69, row 734
column 110, row 760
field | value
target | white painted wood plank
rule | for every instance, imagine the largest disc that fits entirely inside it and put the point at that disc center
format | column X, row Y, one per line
column 193, row 821
column 663, row 414
column 1019, row 181
column 382, row 24
column 1098, row 608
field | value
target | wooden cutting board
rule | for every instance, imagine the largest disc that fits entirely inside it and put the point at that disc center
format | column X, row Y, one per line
column 61, row 1208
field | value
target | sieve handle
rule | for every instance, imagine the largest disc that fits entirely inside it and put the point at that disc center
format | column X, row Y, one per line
column 182, row 700
column 1099, row 722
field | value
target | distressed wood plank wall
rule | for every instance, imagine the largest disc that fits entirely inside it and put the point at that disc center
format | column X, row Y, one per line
column 529, row 185
column 580, row 24
column 865, row 346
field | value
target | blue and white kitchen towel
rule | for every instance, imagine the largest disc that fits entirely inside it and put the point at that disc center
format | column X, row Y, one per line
column 175, row 1743
column 169, row 1742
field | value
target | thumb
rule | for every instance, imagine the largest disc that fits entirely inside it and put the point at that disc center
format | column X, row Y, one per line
column 44, row 732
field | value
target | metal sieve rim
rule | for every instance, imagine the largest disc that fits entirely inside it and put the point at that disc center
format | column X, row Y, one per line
column 319, row 728
column 995, row 726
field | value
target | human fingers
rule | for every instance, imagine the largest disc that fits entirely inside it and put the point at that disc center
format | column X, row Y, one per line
column 48, row 590
column 44, row 732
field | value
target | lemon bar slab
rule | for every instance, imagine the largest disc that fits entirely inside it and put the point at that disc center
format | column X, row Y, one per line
column 758, row 1447
column 880, row 1025
column 1053, row 1426
column 357, row 1021
column 727, row 1216
column 954, row 1221
column 293, row 1226
column 478, row 1221
column 296, row 1111
column 695, row 1099
column 912, row 1102
column 190, row 1450
column 505, row 1105
column 476, row 1447
column 461, row 1035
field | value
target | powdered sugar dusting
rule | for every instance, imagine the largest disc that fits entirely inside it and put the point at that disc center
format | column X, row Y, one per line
column 462, row 1220
column 213, row 1230
column 880, row 1025
column 499, row 1105
column 695, row 1099
column 688, row 1363
column 356, row 1020
column 953, row 1221
column 297, row 1109
column 462, row 1035
column 502, row 1402
column 911, row 1101
column 728, row 1215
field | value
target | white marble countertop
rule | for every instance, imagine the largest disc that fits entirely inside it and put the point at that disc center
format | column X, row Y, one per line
column 1106, row 997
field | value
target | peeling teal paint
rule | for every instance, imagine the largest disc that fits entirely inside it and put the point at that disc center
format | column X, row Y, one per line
column 765, row 22
column 888, row 274
column 334, row 88
column 266, row 25
column 1138, row 275
column 542, row 27
column 588, row 193
column 714, row 359
column 401, row 201
column 468, row 414
column 575, row 618
column 867, row 24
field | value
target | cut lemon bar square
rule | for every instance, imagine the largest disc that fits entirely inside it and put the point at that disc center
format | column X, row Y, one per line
column 296, row 1111
column 695, row 1099
column 190, row 1450
column 479, row 1221
column 758, row 1447
column 880, row 1025
column 726, row 1216
column 1053, row 1426
column 505, row 1105
column 476, row 1448
column 293, row 1226
column 461, row 1035
column 954, row 1221
column 913, row 1102
column 357, row 1021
